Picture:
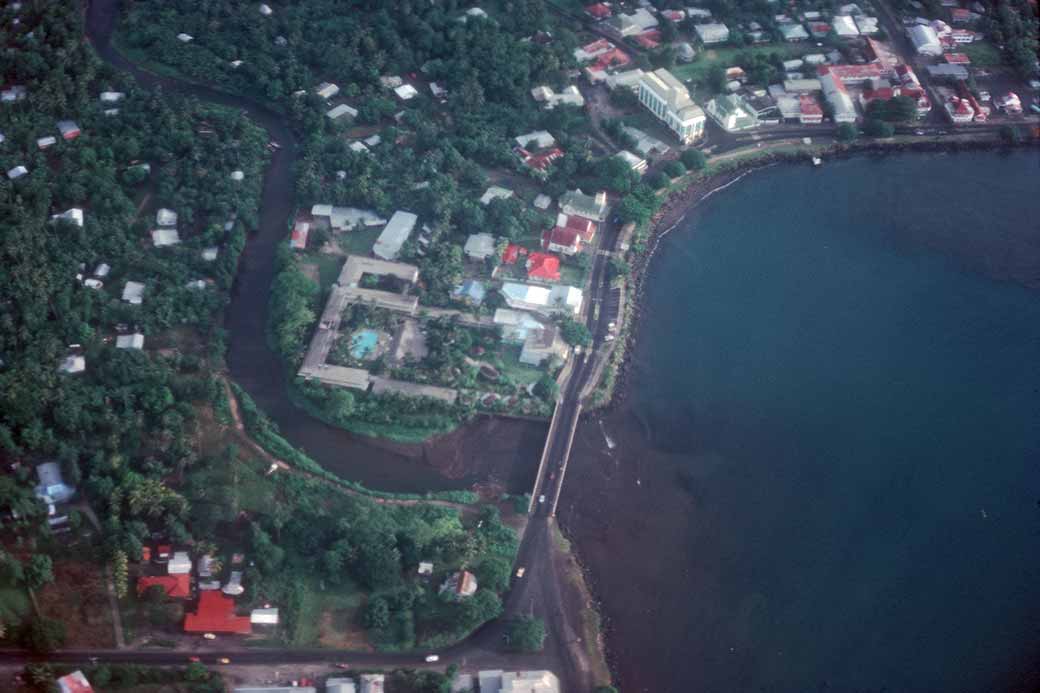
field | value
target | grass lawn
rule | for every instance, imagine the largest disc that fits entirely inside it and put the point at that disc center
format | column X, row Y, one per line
column 573, row 275
column 329, row 267
column 982, row 54
column 324, row 614
column 519, row 372
column 729, row 56
column 358, row 242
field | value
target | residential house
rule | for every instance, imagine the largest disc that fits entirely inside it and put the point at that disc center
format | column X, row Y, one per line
column 166, row 217
column 14, row 93
column 542, row 345
column 130, row 341
column 802, row 86
column 75, row 682
column 298, row 237
column 636, row 163
column 471, row 291
column 593, row 207
column 543, row 267
column 498, row 681
column 495, row 193
column 406, row 92
column 396, row 232
column 684, row 52
column 51, row 486
column 516, row 325
column 732, row 113
column 175, row 586
column 540, row 139
column 327, row 90
column 866, row 25
column 340, row 685
column 925, row 40
column 638, row 22
column 68, row 129
column 17, row 172
column 45, row 142
column 586, row 228
column 185, row 38
column 460, row 585
column 512, row 254
column 425, row 568
column 340, row 111
column 666, row 97
column 599, row 10
column 538, row 161
column 712, row 33
column 72, row 364
column 73, row 216
column 844, row 26
column 267, row 617
column 809, row 111
column 111, row 96
column 345, row 218
column 216, row 614
column 793, row 32
column 165, row 237
column 479, row 246
column 179, row 563
column 133, row 293
column 372, row 683
column 570, row 96
column 561, row 239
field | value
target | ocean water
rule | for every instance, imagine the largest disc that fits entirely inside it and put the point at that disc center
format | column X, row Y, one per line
column 828, row 475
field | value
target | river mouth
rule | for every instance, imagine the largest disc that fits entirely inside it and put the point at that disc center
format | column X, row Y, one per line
column 822, row 475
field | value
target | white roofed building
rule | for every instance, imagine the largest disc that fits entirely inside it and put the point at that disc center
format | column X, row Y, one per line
column 393, row 237
column 925, row 40
column 130, row 341
column 133, row 293
column 712, row 33
column 666, row 97
column 480, row 246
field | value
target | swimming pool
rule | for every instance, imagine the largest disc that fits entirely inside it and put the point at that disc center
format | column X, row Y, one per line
column 363, row 343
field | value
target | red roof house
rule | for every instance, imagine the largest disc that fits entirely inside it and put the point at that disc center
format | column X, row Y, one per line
column 75, row 682
column 216, row 614
column 543, row 266
column 299, row 235
column 163, row 551
column 957, row 59
column 560, row 239
column 615, row 57
column 598, row 10
column 541, row 160
column 649, row 39
column 176, row 586
column 512, row 253
column 586, row 228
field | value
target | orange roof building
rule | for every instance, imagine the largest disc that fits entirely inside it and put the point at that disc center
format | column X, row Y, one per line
column 176, row 586
column 216, row 614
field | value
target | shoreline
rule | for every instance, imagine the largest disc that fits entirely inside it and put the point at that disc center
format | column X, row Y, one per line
column 674, row 210
column 679, row 203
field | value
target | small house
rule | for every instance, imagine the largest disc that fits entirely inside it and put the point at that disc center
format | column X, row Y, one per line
column 540, row 139
column 165, row 237
column 130, row 341
column 238, row 175
column 75, row 682
column 112, row 96
column 471, row 292
column 175, row 586
column 340, row 111
column 179, row 563
column 460, row 585
column 589, row 206
column 406, row 92
column 542, row 201
column 68, row 129
column 479, row 246
column 298, row 238
column 73, row 216
column 636, row 163
column 210, row 254
column 166, row 217
column 793, row 32
column 266, row 617
column 327, row 90
column 560, row 239
column 216, row 614
column 185, row 38
column 844, row 26
column 133, row 293
column 425, row 568
column 265, row 10
column 543, row 266
column 394, row 235
column 712, row 33
column 45, row 142
column 51, row 484
column 17, row 172
column 542, row 345
column 495, row 193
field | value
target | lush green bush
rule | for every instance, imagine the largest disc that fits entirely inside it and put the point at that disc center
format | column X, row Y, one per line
column 694, row 159
column 525, row 634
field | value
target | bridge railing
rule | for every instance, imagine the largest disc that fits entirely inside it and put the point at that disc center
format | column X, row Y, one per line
column 540, row 476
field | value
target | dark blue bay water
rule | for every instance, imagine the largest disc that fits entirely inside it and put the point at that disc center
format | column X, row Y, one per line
column 828, row 475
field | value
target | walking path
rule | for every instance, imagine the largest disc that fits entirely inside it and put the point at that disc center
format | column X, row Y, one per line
column 110, row 588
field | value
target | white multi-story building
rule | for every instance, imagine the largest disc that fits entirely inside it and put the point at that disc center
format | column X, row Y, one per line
column 667, row 98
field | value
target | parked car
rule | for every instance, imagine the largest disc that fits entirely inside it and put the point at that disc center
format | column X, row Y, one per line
column 433, row 658
column 194, row 659
column 520, row 571
column 342, row 665
column 209, row 636
column 223, row 660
